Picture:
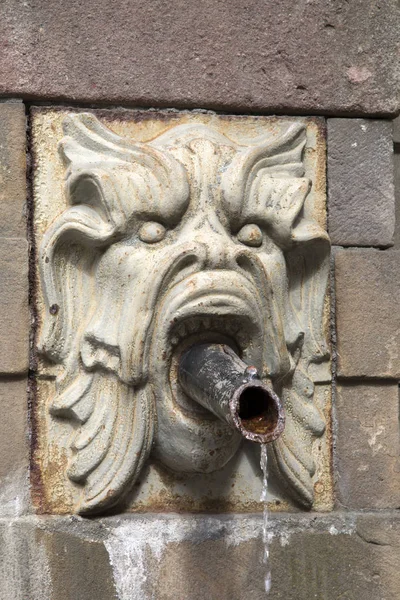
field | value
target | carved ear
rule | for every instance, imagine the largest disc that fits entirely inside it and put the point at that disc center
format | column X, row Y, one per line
column 110, row 181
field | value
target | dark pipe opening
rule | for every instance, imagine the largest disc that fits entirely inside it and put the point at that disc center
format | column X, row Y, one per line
column 257, row 410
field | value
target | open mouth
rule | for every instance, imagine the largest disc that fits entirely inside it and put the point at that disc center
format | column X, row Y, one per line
column 207, row 307
column 232, row 331
column 237, row 332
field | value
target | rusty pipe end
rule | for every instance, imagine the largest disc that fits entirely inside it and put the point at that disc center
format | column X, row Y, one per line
column 257, row 412
column 215, row 377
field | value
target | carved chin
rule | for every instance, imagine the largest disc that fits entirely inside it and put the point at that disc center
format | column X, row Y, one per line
column 190, row 438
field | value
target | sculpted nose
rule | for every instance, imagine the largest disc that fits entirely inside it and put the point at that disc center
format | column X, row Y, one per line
column 218, row 247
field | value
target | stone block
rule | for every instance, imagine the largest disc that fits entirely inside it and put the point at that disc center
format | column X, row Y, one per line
column 396, row 130
column 14, row 456
column 14, row 322
column 397, row 196
column 12, row 169
column 79, row 565
column 328, row 561
column 353, row 556
column 279, row 57
column 43, row 562
column 367, row 313
column 367, row 446
column 360, row 182
column 24, row 572
column 93, row 314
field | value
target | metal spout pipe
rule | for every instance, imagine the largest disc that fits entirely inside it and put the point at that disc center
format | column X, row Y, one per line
column 215, row 377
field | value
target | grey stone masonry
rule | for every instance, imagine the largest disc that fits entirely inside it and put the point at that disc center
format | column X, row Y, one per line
column 396, row 130
column 396, row 138
column 14, row 322
column 367, row 313
column 14, row 440
column 360, row 182
column 326, row 557
column 12, row 169
column 368, row 445
column 397, row 188
column 289, row 57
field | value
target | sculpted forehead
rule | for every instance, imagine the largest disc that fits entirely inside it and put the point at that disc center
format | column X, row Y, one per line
column 221, row 172
column 205, row 155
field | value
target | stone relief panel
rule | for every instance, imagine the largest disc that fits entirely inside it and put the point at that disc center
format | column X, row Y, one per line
column 153, row 230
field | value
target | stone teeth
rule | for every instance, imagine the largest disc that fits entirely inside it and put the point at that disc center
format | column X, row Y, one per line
column 182, row 330
column 234, row 327
column 242, row 339
column 206, row 323
column 192, row 326
column 213, row 323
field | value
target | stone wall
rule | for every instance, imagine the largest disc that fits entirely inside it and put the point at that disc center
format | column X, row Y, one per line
column 337, row 60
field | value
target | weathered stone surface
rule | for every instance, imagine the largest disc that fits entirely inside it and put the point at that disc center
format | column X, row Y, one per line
column 198, row 170
column 14, row 322
column 316, row 57
column 360, row 182
column 12, row 169
column 79, row 566
column 396, row 238
column 24, row 571
column 354, row 556
column 13, row 445
column 44, row 559
column 367, row 445
column 396, row 130
column 367, row 313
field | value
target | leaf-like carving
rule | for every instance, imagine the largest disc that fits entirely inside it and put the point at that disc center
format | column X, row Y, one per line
column 110, row 184
column 269, row 183
column 148, row 256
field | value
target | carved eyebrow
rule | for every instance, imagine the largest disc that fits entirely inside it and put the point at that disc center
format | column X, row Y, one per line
column 283, row 153
column 131, row 178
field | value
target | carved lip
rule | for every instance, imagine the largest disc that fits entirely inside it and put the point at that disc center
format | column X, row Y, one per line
column 218, row 302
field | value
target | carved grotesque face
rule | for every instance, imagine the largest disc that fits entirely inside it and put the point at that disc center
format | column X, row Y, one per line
column 188, row 237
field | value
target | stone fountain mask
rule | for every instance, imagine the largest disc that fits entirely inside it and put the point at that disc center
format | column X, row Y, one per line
column 185, row 238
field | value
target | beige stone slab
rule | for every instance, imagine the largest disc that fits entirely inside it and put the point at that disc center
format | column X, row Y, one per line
column 14, row 446
column 367, row 446
column 397, row 196
column 12, row 169
column 78, row 566
column 367, row 313
column 194, row 464
column 13, row 425
column 15, row 321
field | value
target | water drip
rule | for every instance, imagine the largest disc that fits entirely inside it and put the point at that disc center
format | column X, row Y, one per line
column 267, row 536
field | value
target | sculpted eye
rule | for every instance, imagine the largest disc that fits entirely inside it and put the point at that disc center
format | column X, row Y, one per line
column 251, row 235
column 152, row 232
